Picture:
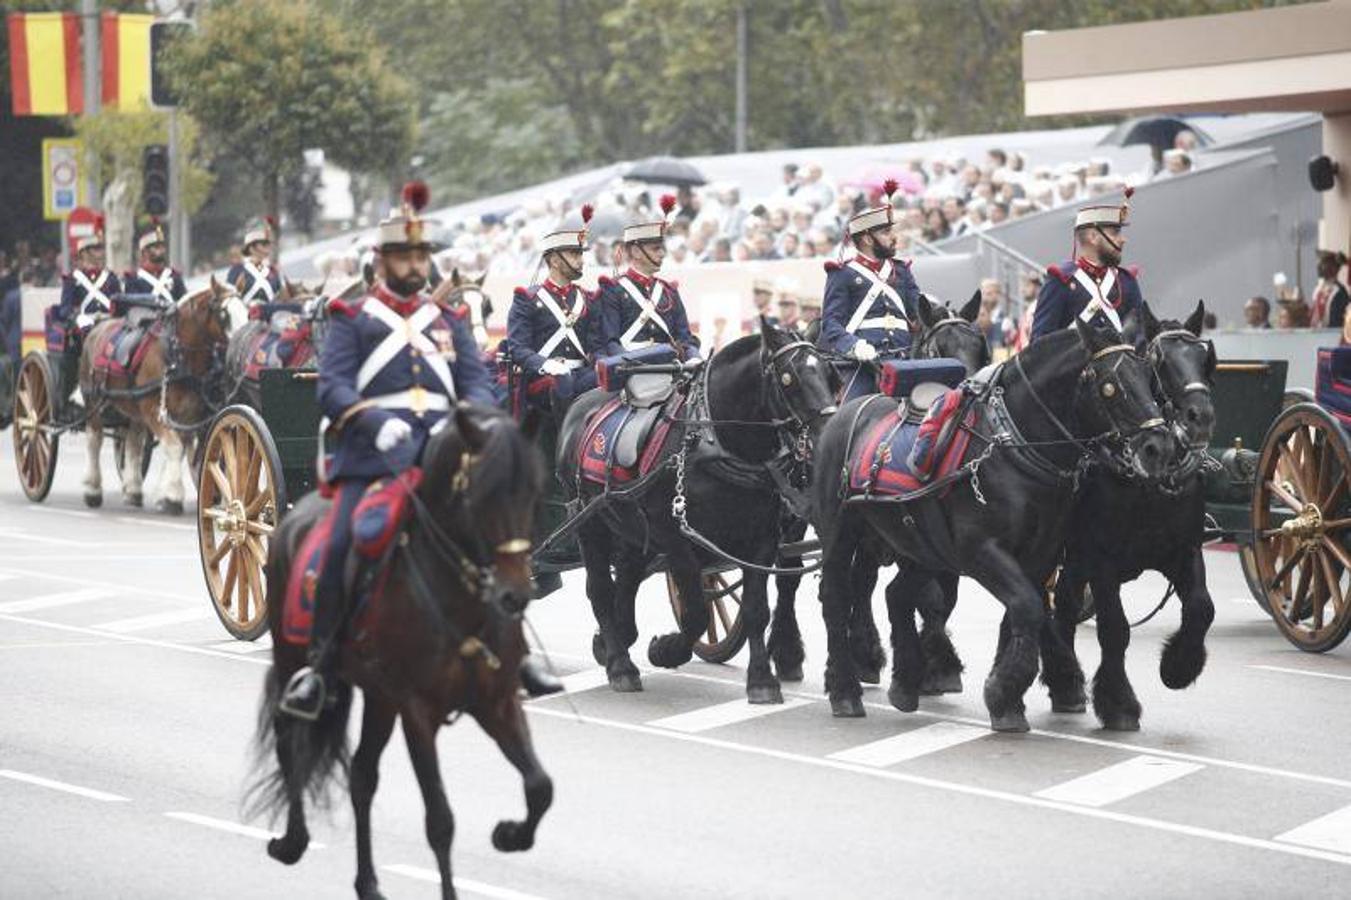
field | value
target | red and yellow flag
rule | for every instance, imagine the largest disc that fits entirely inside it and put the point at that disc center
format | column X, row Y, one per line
column 126, row 61
column 45, row 71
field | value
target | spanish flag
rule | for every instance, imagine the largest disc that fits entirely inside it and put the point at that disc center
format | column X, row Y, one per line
column 126, row 61
column 45, row 72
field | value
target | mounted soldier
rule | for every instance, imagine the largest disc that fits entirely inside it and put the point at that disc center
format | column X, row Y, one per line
column 392, row 367
column 550, row 327
column 870, row 299
column 1093, row 285
column 638, row 309
column 87, row 292
column 153, row 275
column 255, row 277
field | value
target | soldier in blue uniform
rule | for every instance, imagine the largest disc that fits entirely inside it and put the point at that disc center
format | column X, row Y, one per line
column 1093, row 285
column 257, row 280
column 153, row 275
column 549, row 326
column 87, row 292
column 392, row 366
column 870, row 299
column 638, row 309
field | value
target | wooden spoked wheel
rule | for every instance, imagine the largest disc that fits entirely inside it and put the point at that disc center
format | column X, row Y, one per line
column 1301, row 518
column 726, row 633
column 240, row 498
column 35, row 439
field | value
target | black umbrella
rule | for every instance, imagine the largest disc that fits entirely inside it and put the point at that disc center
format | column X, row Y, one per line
column 1159, row 132
column 665, row 170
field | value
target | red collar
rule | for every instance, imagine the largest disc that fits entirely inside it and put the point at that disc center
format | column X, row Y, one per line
column 638, row 278
column 558, row 290
column 92, row 274
column 404, row 306
column 1095, row 271
column 874, row 265
column 154, row 269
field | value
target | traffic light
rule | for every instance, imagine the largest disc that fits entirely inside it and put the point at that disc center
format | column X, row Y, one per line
column 155, row 180
column 162, row 35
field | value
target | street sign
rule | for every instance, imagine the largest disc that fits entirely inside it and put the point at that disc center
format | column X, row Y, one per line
column 81, row 223
column 62, row 184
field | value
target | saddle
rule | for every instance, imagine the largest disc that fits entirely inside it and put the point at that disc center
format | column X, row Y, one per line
column 124, row 346
column 1332, row 387
column 379, row 517
column 282, row 343
column 900, row 454
column 622, row 442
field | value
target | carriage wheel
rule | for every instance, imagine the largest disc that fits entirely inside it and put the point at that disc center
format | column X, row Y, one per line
column 1301, row 518
column 1247, row 562
column 726, row 633
column 35, row 441
column 240, row 498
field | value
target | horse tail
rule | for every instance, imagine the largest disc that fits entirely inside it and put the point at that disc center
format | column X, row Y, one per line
column 296, row 760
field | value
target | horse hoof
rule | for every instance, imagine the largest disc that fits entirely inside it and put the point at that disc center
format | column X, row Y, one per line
column 287, row 851
column 669, row 651
column 870, row 675
column 758, row 694
column 626, row 682
column 847, row 707
column 1010, row 722
column 170, row 507
column 941, row 683
column 369, row 892
column 134, row 500
column 93, row 501
column 789, row 673
column 1069, row 704
column 510, row 837
column 1120, row 722
column 598, row 651
column 902, row 699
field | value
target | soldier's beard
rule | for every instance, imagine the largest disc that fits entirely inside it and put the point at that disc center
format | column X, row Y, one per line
column 408, row 286
column 1109, row 256
column 881, row 252
column 158, row 259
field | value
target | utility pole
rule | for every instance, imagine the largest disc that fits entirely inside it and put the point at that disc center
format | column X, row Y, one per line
column 741, row 77
column 93, row 70
column 177, row 221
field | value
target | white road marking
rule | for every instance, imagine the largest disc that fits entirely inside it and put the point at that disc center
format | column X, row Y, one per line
column 1330, row 832
column 234, row 646
column 51, row 601
column 584, row 680
column 261, row 834
column 11, row 535
column 147, row 520
column 132, row 639
column 90, row 582
column 6, row 576
column 710, row 717
column 77, row 513
column 156, row 620
column 902, row 747
column 53, row 645
column 38, row 780
column 461, row 884
column 953, row 787
column 1308, row 672
column 1114, row 783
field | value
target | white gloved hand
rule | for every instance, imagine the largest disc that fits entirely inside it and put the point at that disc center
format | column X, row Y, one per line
column 864, row 351
column 394, row 432
column 554, row 367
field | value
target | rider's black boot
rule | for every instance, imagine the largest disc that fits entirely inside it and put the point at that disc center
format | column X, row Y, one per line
column 537, row 680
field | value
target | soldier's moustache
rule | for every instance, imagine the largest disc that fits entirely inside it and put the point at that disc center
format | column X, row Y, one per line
column 406, row 286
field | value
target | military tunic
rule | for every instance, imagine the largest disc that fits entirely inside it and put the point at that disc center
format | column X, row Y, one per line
column 637, row 311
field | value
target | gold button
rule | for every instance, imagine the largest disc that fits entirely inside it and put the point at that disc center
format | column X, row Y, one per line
column 416, row 368
column 417, row 354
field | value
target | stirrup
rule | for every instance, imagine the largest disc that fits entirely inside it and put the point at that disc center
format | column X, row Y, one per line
column 309, row 712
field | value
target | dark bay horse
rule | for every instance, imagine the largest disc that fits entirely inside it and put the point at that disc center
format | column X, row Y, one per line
column 1072, row 396
column 1121, row 527
column 165, row 393
column 443, row 637
column 759, row 398
column 942, row 334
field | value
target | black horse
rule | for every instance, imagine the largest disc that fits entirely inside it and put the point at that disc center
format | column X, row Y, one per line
column 1066, row 399
column 443, row 637
column 942, row 334
column 1121, row 527
column 759, row 402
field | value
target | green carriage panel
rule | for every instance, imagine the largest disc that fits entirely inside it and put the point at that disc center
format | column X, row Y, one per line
column 291, row 411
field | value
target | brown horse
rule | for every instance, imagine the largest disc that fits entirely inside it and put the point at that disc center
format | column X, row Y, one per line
column 163, row 391
column 443, row 637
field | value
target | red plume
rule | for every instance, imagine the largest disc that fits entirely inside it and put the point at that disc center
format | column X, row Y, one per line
column 889, row 187
column 1130, row 192
column 99, row 222
column 271, row 222
column 416, row 194
column 668, row 202
column 587, row 212
column 154, row 220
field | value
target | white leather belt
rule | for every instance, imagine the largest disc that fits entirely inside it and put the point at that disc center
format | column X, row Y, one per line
column 419, row 400
column 570, row 363
column 890, row 323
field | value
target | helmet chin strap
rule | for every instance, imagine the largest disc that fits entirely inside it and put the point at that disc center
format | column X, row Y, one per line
column 641, row 248
column 1111, row 243
column 573, row 272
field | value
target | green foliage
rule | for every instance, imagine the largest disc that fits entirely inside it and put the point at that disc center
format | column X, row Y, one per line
column 116, row 140
column 269, row 79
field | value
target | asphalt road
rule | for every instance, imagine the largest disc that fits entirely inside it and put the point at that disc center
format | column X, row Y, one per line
column 125, row 751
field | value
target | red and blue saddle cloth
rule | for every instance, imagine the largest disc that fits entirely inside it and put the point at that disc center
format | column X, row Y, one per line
column 379, row 517
column 898, row 457
column 602, row 433
column 113, row 357
column 1333, row 385
column 290, row 348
